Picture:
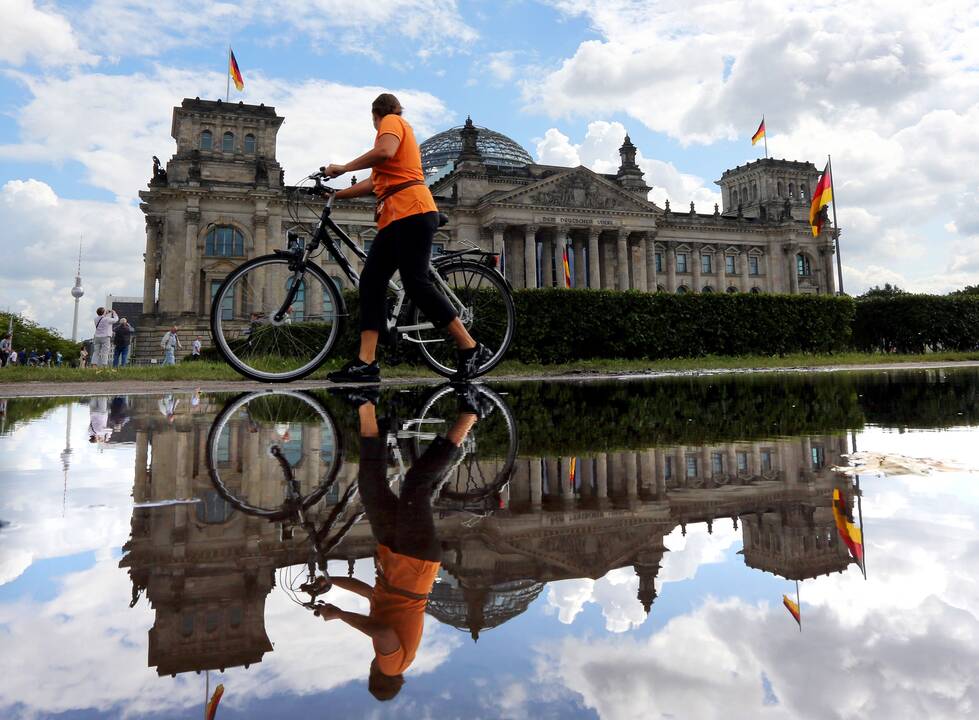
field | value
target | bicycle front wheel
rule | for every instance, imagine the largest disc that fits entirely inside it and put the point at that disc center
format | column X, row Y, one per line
column 485, row 306
column 261, row 336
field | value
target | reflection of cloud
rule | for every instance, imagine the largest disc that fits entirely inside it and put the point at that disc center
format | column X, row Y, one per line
column 687, row 554
column 901, row 644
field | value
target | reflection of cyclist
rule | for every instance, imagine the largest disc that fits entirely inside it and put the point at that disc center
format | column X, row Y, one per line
column 408, row 552
column 407, row 218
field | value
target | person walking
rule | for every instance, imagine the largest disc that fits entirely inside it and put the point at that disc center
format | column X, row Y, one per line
column 103, row 336
column 122, row 338
column 407, row 218
column 82, row 357
column 6, row 347
column 195, row 349
column 170, row 344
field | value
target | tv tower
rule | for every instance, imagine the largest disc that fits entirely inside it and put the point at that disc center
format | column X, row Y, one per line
column 77, row 292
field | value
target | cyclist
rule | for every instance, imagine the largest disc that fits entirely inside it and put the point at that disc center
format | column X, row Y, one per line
column 408, row 554
column 407, row 218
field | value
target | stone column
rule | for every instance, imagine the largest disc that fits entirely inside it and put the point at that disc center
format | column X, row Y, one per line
column 567, row 490
column 530, row 256
column 720, row 257
column 546, row 261
column 647, row 470
column 731, row 460
column 829, row 269
column 631, row 473
column 150, row 262
column 553, row 476
column 745, row 280
column 660, row 474
column 498, row 243
column 765, row 266
column 622, row 259
column 579, row 262
column 594, row 264
column 536, row 483
column 192, row 216
column 640, row 267
column 601, row 478
column 671, row 267
column 793, row 272
column 755, row 468
column 608, row 264
column 695, row 259
column 651, row 279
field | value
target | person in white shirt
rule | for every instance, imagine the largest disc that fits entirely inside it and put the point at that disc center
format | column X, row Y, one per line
column 170, row 343
column 195, row 349
column 98, row 423
column 103, row 336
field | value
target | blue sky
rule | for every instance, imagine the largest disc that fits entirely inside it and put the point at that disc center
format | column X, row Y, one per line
column 892, row 92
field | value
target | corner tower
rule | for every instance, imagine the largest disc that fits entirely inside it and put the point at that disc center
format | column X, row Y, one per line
column 769, row 189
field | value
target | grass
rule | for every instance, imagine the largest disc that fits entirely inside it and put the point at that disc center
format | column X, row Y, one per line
column 213, row 371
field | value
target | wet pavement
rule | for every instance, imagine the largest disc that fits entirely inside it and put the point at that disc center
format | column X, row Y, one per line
column 601, row 549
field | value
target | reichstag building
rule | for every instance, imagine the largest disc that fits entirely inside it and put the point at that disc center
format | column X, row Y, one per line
column 221, row 200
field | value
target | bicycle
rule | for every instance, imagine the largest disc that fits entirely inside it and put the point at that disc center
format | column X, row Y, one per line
column 269, row 421
column 276, row 318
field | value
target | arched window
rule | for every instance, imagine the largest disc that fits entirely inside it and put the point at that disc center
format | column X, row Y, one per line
column 756, row 290
column 249, row 144
column 292, row 443
column 213, row 509
column 681, row 290
column 707, row 289
column 228, row 142
column 298, row 311
column 224, row 240
column 732, row 289
column 754, row 191
column 206, row 139
column 803, row 191
column 779, row 188
column 792, row 190
column 803, row 265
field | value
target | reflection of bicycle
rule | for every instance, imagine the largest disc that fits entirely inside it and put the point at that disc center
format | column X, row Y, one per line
column 290, row 455
column 276, row 317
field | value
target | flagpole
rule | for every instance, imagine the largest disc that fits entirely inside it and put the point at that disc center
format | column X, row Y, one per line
column 765, row 136
column 227, row 93
column 863, row 545
column 798, row 603
column 836, row 227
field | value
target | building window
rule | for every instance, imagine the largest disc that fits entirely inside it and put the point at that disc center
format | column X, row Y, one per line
column 755, row 290
column 732, row 290
column 668, row 467
column 292, row 444
column 206, row 140
column 298, row 308
column 250, row 144
column 742, row 461
column 681, row 290
column 802, row 264
column 659, row 262
column 779, row 189
column 227, row 305
column 234, row 617
column 213, row 509
column 766, row 460
column 228, row 142
column 707, row 289
column 681, row 262
column 367, row 245
column 223, row 454
column 438, row 248
column 791, row 190
column 226, row 241
column 187, row 625
column 716, row 463
column 752, row 265
column 729, row 266
column 818, row 457
column 707, row 263
column 338, row 281
column 691, row 466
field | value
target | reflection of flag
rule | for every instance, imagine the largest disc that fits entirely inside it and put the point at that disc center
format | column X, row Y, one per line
column 759, row 133
column 821, row 197
column 212, row 705
column 567, row 269
column 793, row 608
column 234, row 72
column 573, row 471
column 849, row 533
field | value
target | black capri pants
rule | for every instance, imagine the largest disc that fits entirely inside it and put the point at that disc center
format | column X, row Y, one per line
column 404, row 245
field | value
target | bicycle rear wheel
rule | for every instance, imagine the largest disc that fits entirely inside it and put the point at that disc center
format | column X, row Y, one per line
column 490, row 448
column 262, row 347
column 485, row 307
column 250, row 435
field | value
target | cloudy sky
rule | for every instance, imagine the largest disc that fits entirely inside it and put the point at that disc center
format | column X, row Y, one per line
column 891, row 90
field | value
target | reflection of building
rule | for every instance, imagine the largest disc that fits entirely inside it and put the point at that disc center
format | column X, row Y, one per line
column 207, row 569
column 221, row 199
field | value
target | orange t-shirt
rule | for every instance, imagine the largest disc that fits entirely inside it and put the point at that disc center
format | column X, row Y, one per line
column 403, row 614
column 404, row 165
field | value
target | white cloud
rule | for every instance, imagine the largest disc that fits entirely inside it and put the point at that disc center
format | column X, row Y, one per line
column 889, row 90
column 39, row 34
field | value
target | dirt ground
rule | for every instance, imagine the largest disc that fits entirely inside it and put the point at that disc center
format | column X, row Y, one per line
column 84, row 389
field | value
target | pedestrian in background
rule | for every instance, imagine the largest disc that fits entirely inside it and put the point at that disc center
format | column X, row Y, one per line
column 195, row 349
column 82, row 357
column 170, row 344
column 122, row 338
column 103, row 336
column 6, row 347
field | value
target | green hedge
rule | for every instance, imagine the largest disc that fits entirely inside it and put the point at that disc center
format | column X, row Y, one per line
column 917, row 323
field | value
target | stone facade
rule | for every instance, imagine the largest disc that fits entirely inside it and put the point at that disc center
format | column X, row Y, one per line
column 221, row 200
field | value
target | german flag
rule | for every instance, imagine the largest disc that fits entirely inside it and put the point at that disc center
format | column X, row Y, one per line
column 793, row 609
column 821, row 197
column 849, row 533
column 234, row 72
column 759, row 133
column 212, row 705
column 567, row 269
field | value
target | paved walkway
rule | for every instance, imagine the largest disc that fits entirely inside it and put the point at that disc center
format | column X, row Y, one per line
column 153, row 387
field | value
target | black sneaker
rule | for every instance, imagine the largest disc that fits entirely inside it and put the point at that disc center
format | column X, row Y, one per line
column 355, row 397
column 468, row 362
column 357, row 371
column 471, row 400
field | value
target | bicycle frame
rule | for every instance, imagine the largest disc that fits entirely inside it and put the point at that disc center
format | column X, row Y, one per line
column 322, row 237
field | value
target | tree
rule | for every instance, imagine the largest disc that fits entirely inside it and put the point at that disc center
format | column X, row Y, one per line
column 28, row 335
column 967, row 290
column 883, row 292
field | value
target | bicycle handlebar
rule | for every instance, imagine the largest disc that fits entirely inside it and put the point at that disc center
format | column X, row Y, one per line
column 322, row 190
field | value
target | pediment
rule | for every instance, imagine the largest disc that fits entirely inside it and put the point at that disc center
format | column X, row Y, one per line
column 578, row 188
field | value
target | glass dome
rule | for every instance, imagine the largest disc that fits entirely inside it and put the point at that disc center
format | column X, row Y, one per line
column 476, row 609
column 496, row 148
